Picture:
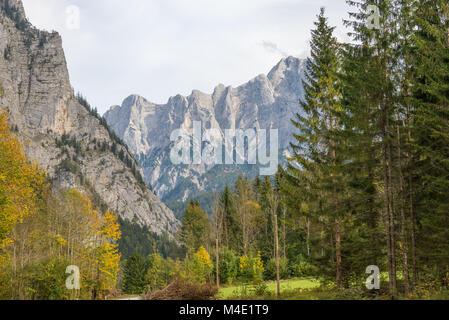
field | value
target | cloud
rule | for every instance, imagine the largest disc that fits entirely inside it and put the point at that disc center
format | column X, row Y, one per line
column 161, row 48
column 273, row 48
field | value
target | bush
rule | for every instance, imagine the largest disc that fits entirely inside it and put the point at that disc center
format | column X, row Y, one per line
column 270, row 270
column 5, row 281
column 160, row 272
column 199, row 266
column 69, row 166
column 260, row 289
column 304, row 269
column 7, row 53
column 46, row 281
column 228, row 266
column 250, row 269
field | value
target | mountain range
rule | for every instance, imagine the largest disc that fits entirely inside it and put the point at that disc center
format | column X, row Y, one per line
column 265, row 102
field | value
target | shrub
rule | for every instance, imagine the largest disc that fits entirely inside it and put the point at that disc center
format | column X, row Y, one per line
column 228, row 266
column 250, row 269
column 46, row 281
column 7, row 53
column 70, row 166
column 199, row 267
column 160, row 271
column 270, row 270
column 260, row 289
column 304, row 269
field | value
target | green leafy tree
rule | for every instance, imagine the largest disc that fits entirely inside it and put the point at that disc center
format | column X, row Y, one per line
column 160, row 272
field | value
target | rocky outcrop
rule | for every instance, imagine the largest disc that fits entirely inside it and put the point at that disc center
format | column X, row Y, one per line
column 71, row 142
column 266, row 102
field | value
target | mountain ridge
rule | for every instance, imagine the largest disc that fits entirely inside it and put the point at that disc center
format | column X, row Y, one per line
column 265, row 102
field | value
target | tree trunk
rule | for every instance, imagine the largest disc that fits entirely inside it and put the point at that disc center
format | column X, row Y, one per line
column 217, row 261
column 392, row 212
column 388, row 214
column 337, row 222
column 403, row 217
column 276, row 249
column 411, row 204
column 308, row 236
column 284, row 233
column 338, row 254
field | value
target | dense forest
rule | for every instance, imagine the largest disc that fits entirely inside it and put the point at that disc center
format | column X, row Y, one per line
column 367, row 184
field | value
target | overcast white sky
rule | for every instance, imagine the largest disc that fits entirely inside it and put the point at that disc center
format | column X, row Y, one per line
column 159, row 48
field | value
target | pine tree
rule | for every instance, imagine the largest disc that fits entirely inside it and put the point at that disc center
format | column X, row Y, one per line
column 230, row 220
column 373, row 117
column 316, row 156
column 134, row 278
column 430, row 135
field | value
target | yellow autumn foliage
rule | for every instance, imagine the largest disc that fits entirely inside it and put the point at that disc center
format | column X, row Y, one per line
column 22, row 184
column 108, row 257
column 204, row 257
column 41, row 231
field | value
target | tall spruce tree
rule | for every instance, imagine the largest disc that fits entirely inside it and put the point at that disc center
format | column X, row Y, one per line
column 431, row 137
column 231, row 229
column 134, row 281
column 372, row 109
column 316, row 156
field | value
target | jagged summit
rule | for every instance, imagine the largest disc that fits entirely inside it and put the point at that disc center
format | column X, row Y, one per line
column 266, row 101
column 135, row 99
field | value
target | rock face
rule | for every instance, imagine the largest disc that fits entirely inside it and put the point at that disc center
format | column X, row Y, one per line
column 63, row 136
column 265, row 102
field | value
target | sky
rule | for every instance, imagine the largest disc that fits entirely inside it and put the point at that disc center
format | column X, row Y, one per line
column 161, row 48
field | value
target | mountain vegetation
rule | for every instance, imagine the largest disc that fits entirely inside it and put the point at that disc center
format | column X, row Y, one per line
column 367, row 183
column 42, row 232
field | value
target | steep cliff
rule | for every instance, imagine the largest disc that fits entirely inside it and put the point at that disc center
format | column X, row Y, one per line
column 266, row 102
column 70, row 141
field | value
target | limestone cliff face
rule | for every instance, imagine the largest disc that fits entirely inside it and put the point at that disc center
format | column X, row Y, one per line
column 266, row 102
column 71, row 143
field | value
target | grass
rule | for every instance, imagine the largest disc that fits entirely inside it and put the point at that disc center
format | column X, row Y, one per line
column 286, row 285
column 310, row 289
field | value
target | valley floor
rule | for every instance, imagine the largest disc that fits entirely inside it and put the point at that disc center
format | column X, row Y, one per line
column 230, row 292
column 311, row 289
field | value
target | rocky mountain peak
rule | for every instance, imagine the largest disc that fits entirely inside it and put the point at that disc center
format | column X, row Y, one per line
column 265, row 102
column 134, row 100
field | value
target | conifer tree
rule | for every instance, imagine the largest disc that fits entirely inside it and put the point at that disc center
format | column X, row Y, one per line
column 230, row 220
column 371, row 111
column 316, row 156
column 134, row 279
column 430, row 135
